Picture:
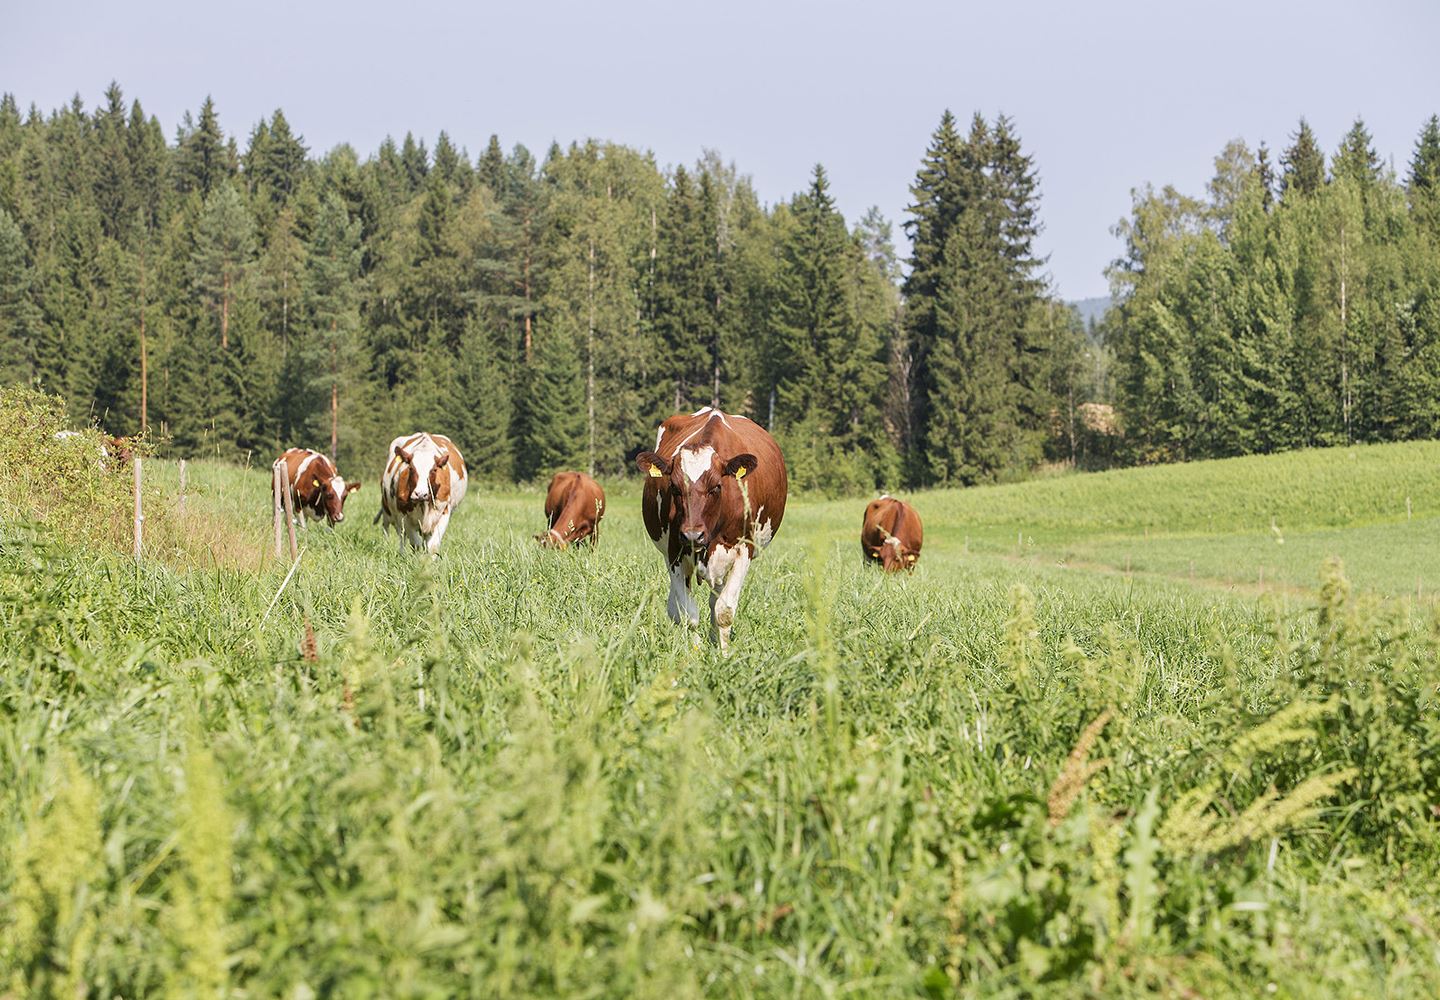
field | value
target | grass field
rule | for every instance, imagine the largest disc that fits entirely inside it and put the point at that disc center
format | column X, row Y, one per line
column 1021, row 771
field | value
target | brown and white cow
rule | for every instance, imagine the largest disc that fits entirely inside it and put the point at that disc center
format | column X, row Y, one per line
column 424, row 482
column 316, row 489
column 714, row 496
column 891, row 534
column 574, row 505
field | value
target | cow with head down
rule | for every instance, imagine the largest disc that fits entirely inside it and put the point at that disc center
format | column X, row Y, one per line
column 574, row 505
column 891, row 534
column 714, row 496
column 316, row 489
column 424, row 482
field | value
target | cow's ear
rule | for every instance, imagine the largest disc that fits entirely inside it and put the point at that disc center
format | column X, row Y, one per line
column 652, row 465
column 441, row 459
column 740, row 466
column 404, row 455
column 351, row 487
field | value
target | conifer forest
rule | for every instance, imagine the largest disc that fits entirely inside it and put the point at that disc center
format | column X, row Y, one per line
column 232, row 292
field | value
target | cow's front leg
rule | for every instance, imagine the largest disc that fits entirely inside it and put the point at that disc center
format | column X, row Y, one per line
column 681, row 606
column 439, row 534
column 725, row 596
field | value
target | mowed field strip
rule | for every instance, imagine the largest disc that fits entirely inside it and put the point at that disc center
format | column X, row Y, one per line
column 504, row 772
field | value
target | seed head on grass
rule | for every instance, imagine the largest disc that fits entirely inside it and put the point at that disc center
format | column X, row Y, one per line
column 1078, row 770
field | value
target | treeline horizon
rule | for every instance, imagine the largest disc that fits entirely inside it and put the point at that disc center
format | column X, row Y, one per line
column 1296, row 305
column 235, row 298
column 548, row 312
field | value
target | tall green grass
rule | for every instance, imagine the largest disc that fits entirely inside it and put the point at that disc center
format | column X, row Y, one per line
column 506, row 773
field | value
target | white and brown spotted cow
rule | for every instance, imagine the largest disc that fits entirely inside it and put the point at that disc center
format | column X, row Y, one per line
column 714, row 496
column 891, row 534
column 316, row 489
column 424, row 482
column 574, row 505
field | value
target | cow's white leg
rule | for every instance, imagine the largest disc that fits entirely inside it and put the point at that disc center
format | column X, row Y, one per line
column 726, row 598
column 681, row 605
column 439, row 533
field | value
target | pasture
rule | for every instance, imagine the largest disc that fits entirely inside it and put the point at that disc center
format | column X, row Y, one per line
column 1020, row 771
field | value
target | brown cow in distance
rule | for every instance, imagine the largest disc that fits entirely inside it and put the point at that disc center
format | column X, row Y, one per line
column 574, row 505
column 891, row 534
column 316, row 489
column 714, row 496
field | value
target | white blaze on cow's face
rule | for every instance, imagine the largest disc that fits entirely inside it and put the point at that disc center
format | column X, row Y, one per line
column 335, row 499
column 696, row 486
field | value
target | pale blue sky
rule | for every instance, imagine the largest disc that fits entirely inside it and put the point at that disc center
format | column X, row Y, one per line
column 1106, row 95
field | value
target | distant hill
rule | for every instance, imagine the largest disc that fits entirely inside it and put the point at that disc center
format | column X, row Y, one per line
column 1091, row 309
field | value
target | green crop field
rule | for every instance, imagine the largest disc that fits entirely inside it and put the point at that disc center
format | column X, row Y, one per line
column 1021, row 771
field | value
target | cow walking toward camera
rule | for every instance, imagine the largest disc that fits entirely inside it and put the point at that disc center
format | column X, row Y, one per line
column 715, row 489
column 574, row 504
column 316, row 489
column 891, row 534
column 424, row 482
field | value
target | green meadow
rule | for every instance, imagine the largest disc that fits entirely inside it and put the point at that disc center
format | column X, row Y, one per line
column 1133, row 733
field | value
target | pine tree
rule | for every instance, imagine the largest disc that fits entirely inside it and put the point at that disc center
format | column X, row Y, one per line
column 1303, row 163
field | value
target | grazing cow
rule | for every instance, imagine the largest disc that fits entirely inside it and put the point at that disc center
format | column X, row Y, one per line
column 118, row 449
column 574, row 505
column 316, row 489
column 424, row 482
column 891, row 534
column 714, row 496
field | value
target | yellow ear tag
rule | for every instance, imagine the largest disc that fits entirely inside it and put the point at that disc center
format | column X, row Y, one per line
column 315, row 481
column 740, row 472
column 654, row 472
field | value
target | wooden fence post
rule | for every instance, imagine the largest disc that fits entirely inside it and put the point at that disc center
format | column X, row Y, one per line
column 182, row 487
column 139, row 514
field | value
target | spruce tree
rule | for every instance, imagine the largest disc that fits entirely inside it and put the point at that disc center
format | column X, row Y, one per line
column 682, row 308
column 414, row 164
column 1356, row 159
column 202, row 161
column 332, row 267
column 1303, row 164
column 554, row 407
column 19, row 319
column 114, row 190
column 224, row 245
column 1424, row 180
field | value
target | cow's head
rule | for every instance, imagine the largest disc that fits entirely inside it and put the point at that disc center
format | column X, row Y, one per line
column 703, row 489
column 551, row 539
column 332, row 498
column 425, row 476
column 895, row 556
